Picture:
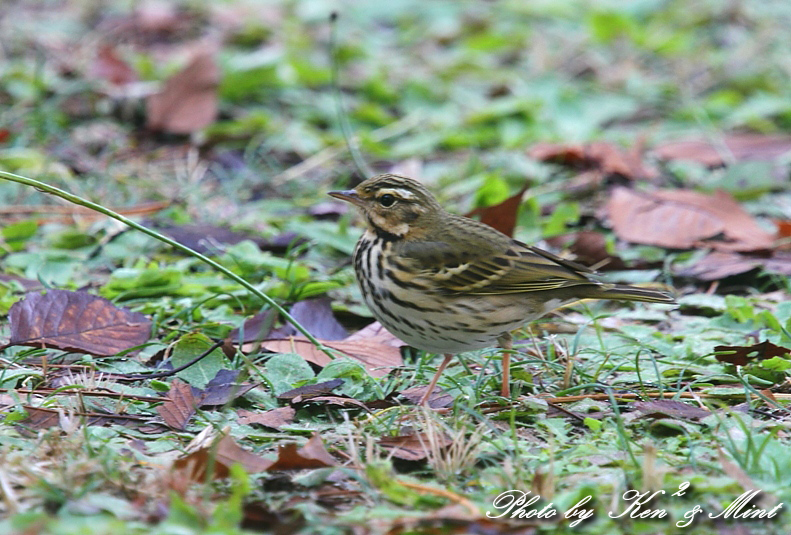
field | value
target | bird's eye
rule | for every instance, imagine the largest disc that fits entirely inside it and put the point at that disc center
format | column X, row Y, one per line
column 387, row 200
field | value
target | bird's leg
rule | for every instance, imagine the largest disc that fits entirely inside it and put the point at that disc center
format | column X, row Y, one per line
column 506, row 342
column 427, row 395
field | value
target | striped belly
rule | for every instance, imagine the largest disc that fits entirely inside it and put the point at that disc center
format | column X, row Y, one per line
column 422, row 317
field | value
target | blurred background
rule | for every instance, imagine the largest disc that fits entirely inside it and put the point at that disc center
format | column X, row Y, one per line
column 190, row 112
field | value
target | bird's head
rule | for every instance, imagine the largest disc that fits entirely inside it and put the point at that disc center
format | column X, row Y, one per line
column 395, row 206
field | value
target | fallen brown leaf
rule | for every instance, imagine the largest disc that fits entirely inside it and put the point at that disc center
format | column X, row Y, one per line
column 188, row 100
column 179, row 406
column 317, row 318
column 337, row 401
column 663, row 408
column 414, row 447
column 205, row 237
column 224, row 452
column 439, row 399
column 501, row 216
column 743, row 355
column 255, row 328
column 717, row 265
column 682, row 219
column 589, row 248
column 110, row 67
column 273, row 418
column 378, row 359
column 76, row 321
column 43, row 418
column 222, row 389
column 601, row 156
column 311, row 455
column 310, row 391
column 376, row 333
column 732, row 147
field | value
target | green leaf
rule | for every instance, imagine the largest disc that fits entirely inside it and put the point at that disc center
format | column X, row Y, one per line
column 189, row 347
column 357, row 383
column 16, row 234
column 592, row 423
column 779, row 364
column 285, row 370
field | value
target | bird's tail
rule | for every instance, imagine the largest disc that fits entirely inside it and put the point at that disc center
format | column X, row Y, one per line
column 633, row 293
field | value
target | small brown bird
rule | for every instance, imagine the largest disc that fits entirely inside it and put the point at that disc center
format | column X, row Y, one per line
column 447, row 284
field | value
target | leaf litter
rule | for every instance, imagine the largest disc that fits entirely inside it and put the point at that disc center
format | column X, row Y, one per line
column 254, row 128
column 76, row 321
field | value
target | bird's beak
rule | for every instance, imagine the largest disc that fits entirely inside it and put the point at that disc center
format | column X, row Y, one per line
column 348, row 195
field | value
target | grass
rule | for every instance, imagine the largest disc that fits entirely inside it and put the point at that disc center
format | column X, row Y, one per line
column 457, row 92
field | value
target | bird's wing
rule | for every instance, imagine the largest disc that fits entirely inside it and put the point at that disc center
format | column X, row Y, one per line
column 515, row 268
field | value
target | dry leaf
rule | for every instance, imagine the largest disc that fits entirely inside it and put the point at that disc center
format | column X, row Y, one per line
column 376, row 333
column 415, row 447
column 734, row 147
column 717, row 265
column 664, row 408
column 317, row 318
column 336, row 401
column 195, row 465
column 76, row 321
column 222, row 389
column 43, row 418
column 311, row 455
column 682, row 219
column 205, row 238
column 255, row 328
column 601, row 156
column 274, row 418
column 501, row 216
column 188, row 100
column 310, row 391
column 378, row 359
column 180, row 405
column 439, row 399
column 743, row 355
column 590, row 249
column 110, row 67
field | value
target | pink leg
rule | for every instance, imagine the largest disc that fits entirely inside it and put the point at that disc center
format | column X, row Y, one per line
column 427, row 395
column 506, row 342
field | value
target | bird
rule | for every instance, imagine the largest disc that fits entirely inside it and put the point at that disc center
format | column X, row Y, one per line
column 447, row 284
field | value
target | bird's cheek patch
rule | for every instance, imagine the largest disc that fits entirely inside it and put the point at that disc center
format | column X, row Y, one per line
column 382, row 223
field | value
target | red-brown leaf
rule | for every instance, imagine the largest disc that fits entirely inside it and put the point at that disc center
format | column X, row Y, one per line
column 311, row 455
column 180, row 405
column 311, row 391
column 743, row 355
column 668, row 408
column 378, row 359
column 735, row 147
column 682, row 219
column 414, row 447
column 226, row 452
column 501, row 216
column 188, row 101
column 274, row 418
column 76, row 321
column 601, row 156
column 110, row 67
column 376, row 333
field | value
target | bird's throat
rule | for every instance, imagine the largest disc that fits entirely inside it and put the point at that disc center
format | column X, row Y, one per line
column 391, row 233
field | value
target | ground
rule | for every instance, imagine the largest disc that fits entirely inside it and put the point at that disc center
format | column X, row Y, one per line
column 645, row 139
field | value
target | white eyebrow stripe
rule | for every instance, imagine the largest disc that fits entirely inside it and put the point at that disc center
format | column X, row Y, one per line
column 400, row 193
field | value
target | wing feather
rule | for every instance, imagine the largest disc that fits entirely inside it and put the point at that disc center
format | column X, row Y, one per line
column 515, row 268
